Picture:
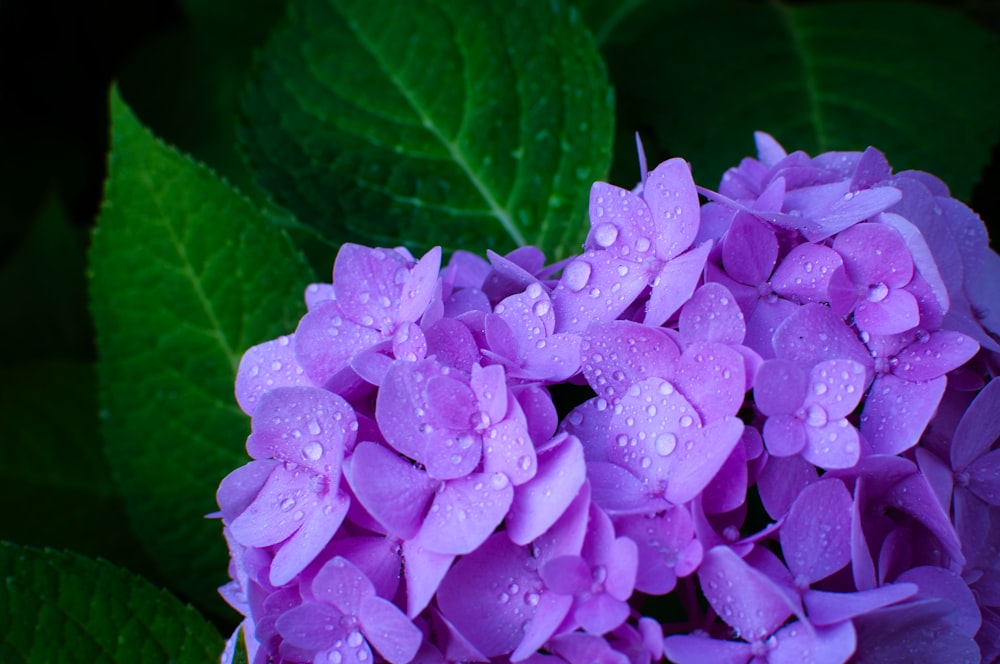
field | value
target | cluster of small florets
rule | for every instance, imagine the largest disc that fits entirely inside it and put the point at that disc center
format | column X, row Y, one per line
column 759, row 427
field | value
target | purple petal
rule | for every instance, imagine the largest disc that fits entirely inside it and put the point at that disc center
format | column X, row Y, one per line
column 814, row 273
column 872, row 169
column 491, row 594
column 419, row 289
column 539, row 502
column 465, row 512
column 938, row 582
column 836, row 386
column 897, row 311
column 539, row 412
column 984, row 477
column 780, row 387
column 239, row 488
column 340, row 583
column 820, row 645
column 368, row 284
column 568, row 575
column 763, row 322
column 769, row 151
column 394, row 492
column 389, row 630
column 304, row 425
column 452, row 344
column 711, row 376
column 675, row 283
column 832, row 445
column 311, row 626
column 553, row 359
column 317, row 294
column 699, row 460
column 673, row 201
column 979, row 427
column 267, row 366
column 277, row 511
column 784, row 435
column 649, row 353
column 424, row 571
column 712, row 315
column 325, row 341
column 620, row 222
column 509, row 451
column 875, row 253
column 728, row 490
column 319, row 525
column 600, row 613
column 667, row 548
column 747, row 600
column 813, row 333
column 815, row 538
column 687, row 649
column 550, row 611
column 913, row 632
column 618, row 491
column 897, row 412
column 749, row 250
column 597, row 286
column 829, row 608
column 862, row 565
column 781, row 480
column 934, row 355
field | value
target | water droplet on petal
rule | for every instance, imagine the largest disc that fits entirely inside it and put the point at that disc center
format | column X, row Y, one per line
column 816, row 416
column 354, row 639
column 287, row 504
column 665, row 443
column 605, row 235
column 312, row 451
column 576, row 275
column 686, row 421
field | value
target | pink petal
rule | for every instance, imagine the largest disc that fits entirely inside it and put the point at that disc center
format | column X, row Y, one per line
column 780, row 387
column 814, row 273
column 509, row 451
column 601, row 613
column 539, row 412
column 239, row 488
column 465, row 512
column 699, row 460
column 934, row 355
column 769, row 151
column 267, row 366
column 618, row 491
column 620, row 222
column 317, row 294
column 836, row 386
column 311, row 626
column 814, row 333
column 687, row 649
column 875, row 253
column 567, row 575
column 763, row 322
column 277, row 511
column 781, row 481
column 452, row 344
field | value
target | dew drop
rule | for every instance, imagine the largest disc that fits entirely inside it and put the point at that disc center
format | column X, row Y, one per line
column 819, row 389
column 646, row 462
column 542, row 307
column 576, row 275
column 878, row 292
column 312, row 451
column 665, row 443
column 605, row 234
column 686, row 421
column 287, row 504
column 816, row 416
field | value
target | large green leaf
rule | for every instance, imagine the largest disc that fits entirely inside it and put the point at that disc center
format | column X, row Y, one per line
column 466, row 124
column 185, row 276
column 52, row 452
column 920, row 82
column 61, row 607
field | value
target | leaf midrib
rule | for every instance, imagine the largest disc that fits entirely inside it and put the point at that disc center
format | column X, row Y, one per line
column 458, row 157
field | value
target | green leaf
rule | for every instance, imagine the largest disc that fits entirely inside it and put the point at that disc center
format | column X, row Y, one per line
column 919, row 82
column 469, row 125
column 186, row 274
column 52, row 452
column 61, row 607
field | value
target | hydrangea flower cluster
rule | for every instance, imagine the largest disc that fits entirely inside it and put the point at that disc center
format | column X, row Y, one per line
column 759, row 428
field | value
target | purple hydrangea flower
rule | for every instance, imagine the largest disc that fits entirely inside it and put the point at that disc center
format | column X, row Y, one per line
column 601, row 459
